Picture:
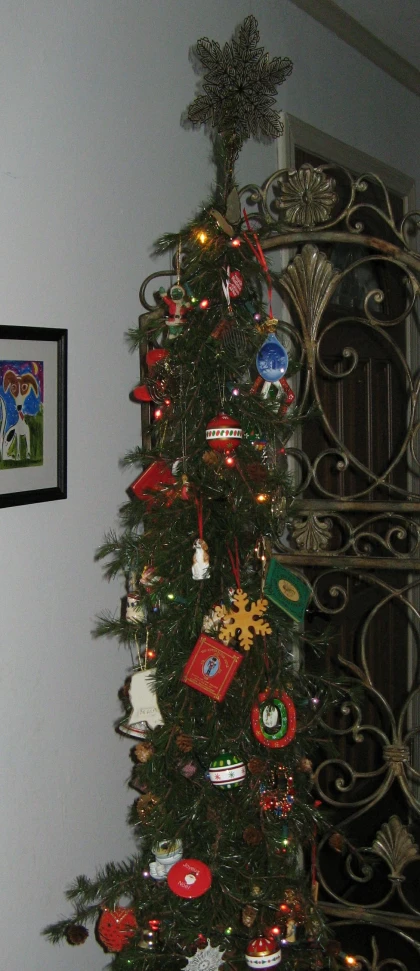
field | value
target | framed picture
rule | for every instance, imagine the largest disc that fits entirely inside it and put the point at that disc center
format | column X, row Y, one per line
column 33, row 414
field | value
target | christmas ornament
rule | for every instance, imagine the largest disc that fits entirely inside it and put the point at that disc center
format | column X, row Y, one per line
column 149, row 937
column 211, row 667
column 245, row 618
column 305, row 765
column 116, row 927
column 263, row 952
column 223, row 433
column 337, row 842
column 152, row 390
column 235, row 283
column 166, row 853
column 189, row 878
column 278, row 794
column 273, row 719
column 188, row 770
column 227, row 771
column 76, row 934
column 135, row 611
column 287, row 590
column 177, row 309
column 240, row 86
column 208, row 959
column 248, row 915
column 200, row 566
column 155, row 479
column 145, row 804
column 211, row 622
column 145, row 713
column 143, row 751
column 272, row 360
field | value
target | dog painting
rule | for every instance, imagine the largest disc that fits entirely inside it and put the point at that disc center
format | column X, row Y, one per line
column 21, row 413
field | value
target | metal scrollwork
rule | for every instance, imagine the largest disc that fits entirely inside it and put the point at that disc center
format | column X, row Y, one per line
column 349, row 285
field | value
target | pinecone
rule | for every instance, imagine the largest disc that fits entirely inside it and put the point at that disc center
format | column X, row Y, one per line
column 184, row 742
column 304, row 765
column 76, row 934
column 143, row 751
column 337, row 842
column 249, row 914
column 252, row 835
column 211, row 458
column 256, row 766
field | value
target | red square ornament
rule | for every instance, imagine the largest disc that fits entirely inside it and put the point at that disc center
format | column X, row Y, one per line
column 211, row 667
column 156, row 475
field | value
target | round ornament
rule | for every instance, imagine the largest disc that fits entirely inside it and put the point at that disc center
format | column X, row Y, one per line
column 227, row 771
column 189, row 878
column 116, row 927
column 272, row 359
column 223, row 433
column 273, row 719
column 263, row 952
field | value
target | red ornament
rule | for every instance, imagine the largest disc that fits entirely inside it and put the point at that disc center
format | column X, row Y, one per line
column 211, row 667
column 235, row 284
column 263, row 952
column 223, row 433
column 189, row 878
column 273, row 719
column 156, row 475
column 116, row 927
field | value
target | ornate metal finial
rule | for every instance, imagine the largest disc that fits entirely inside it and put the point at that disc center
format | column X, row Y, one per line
column 240, row 86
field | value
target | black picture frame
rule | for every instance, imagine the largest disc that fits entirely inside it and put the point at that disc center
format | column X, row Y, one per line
column 33, row 386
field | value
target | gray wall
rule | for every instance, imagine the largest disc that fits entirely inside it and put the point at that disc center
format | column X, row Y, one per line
column 94, row 165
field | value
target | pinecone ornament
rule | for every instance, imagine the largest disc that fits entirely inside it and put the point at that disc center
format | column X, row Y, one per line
column 76, row 934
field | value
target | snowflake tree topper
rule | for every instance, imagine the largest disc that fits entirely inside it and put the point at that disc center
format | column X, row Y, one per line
column 243, row 617
column 240, row 86
column 208, row 960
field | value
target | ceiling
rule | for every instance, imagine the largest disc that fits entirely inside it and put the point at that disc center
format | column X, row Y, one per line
column 395, row 22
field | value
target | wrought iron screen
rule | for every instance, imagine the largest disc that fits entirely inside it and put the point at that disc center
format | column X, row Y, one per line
column 349, row 286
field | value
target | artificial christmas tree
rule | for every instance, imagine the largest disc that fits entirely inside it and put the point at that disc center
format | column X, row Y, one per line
column 223, row 714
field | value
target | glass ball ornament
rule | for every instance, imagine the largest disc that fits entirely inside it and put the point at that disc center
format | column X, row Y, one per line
column 263, row 952
column 227, row 771
column 223, row 433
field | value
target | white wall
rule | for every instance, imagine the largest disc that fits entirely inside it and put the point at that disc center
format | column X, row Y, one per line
column 93, row 166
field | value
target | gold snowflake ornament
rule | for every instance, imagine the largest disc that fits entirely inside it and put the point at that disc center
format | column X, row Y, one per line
column 244, row 617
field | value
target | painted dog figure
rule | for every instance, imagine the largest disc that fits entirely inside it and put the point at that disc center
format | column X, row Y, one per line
column 19, row 386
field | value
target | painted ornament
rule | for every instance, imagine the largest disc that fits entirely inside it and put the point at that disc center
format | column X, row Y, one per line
column 273, row 719
column 116, row 927
column 200, row 564
column 177, row 308
column 166, row 853
column 211, row 667
column 155, row 479
column 263, row 952
column 223, row 433
column 189, row 878
column 227, row 771
column 208, row 959
column 145, row 713
column 272, row 360
column 235, row 283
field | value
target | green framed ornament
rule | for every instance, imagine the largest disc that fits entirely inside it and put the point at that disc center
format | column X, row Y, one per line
column 273, row 719
column 287, row 590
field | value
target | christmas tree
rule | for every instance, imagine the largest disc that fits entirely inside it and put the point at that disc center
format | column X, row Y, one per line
column 223, row 706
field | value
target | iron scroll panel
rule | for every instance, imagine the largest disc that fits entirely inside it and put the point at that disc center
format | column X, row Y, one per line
column 356, row 534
